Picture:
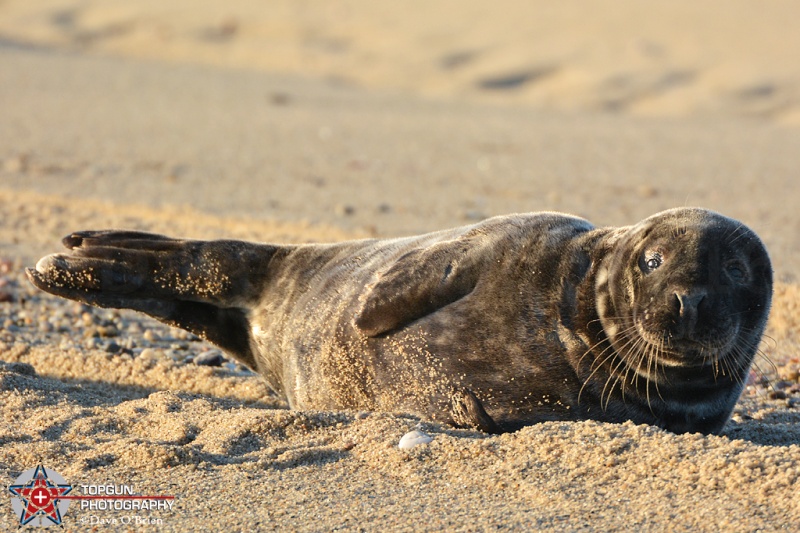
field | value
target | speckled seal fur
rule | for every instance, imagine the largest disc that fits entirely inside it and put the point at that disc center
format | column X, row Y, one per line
column 512, row 321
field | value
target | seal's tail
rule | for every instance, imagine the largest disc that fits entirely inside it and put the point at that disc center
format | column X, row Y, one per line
column 205, row 287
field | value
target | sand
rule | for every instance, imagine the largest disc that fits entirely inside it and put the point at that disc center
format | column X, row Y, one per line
column 337, row 120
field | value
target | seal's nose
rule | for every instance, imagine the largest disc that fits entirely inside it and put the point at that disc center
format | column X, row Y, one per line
column 688, row 305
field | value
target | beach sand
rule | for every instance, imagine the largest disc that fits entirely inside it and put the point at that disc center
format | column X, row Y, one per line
column 325, row 121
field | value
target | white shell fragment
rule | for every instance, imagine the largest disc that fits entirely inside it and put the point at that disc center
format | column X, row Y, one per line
column 413, row 438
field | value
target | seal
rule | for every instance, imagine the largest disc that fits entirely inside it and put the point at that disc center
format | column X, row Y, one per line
column 515, row 320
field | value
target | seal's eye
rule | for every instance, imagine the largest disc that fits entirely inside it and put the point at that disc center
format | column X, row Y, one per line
column 650, row 261
column 736, row 271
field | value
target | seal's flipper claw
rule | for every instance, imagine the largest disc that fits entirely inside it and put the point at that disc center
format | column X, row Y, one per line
column 72, row 241
column 36, row 279
column 83, row 278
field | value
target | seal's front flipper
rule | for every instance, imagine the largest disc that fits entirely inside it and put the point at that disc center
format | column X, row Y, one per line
column 421, row 282
column 467, row 411
column 205, row 287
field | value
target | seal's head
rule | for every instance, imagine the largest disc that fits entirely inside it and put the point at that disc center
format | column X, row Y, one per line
column 686, row 288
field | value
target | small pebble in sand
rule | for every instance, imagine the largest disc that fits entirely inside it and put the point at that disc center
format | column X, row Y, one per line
column 345, row 210
column 113, row 347
column 413, row 438
column 777, row 395
column 210, row 358
column 16, row 164
column 21, row 368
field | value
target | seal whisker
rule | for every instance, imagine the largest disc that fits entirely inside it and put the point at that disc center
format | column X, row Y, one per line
column 602, row 362
column 590, row 350
column 678, row 231
column 745, row 347
column 586, row 381
column 760, row 353
column 656, row 355
column 605, row 317
column 598, row 343
column 633, row 356
column 738, row 370
column 651, row 361
column 761, row 371
column 734, row 373
column 647, row 385
column 733, row 232
column 613, row 377
column 766, row 339
column 641, row 356
column 638, row 359
column 653, row 357
column 741, row 233
column 624, row 381
column 716, row 363
column 658, row 350
column 743, row 351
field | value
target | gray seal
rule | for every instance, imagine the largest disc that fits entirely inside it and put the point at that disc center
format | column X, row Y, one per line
column 515, row 320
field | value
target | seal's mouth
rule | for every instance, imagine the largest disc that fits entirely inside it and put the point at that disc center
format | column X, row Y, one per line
column 687, row 352
column 708, row 352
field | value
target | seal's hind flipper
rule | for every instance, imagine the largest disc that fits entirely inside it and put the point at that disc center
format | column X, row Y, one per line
column 205, row 287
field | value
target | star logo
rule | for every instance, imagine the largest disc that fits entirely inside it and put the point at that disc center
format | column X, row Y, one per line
column 36, row 497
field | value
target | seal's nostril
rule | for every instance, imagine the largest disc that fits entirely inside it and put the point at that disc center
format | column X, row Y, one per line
column 677, row 305
column 689, row 303
column 687, row 312
column 682, row 301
